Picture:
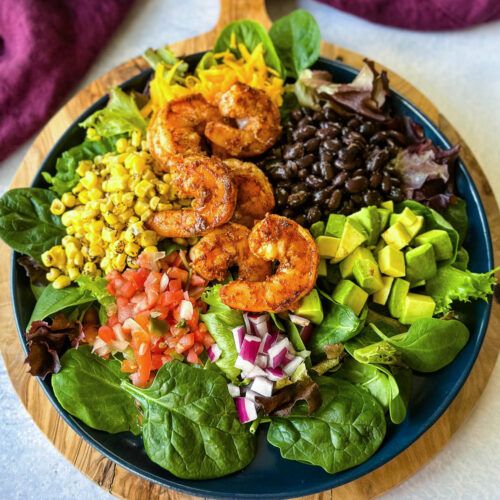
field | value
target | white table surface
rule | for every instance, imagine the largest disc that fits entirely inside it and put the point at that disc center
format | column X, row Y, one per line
column 459, row 72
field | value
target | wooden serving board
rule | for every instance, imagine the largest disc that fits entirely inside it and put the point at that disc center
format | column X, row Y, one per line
column 115, row 479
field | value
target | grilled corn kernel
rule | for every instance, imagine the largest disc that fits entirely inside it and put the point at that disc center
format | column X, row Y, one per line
column 121, row 145
column 70, row 239
column 77, row 189
column 89, row 268
column 151, row 249
column 132, row 249
column 57, row 207
column 71, row 250
column 84, row 166
column 125, row 216
column 47, row 259
column 89, row 180
column 143, row 188
column 146, row 215
column 129, row 236
column 109, row 235
column 119, row 262
column 73, row 273
column 153, row 202
column 111, row 218
column 128, row 199
column 148, row 238
column 180, row 241
column 131, row 262
column 95, row 194
column 96, row 251
column 136, row 164
column 70, row 229
column 140, row 207
column 164, row 206
column 61, row 282
column 59, row 256
column 119, row 246
column 53, row 274
column 167, row 178
column 84, row 197
column 69, row 200
column 149, row 175
column 162, row 188
column 77, row 260
column 136, row 138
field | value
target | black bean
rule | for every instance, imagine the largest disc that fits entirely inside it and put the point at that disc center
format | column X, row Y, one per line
column 306, row 111
column 375, row 180
column 312, row 144
column 281, row 195
column 306, row 161
column 297, row 199
column 315, row 182
column 301, row 219
column 357, row 199
column 358, row 171
column 316, row 168
column 329, row 113
column 296, row 115
column 299, row 186
column 288, row 212
column 367, row 129
column 326, row 170
column 395, row 181
column 320, row 196
column 313, row 214
column 356, row 184
column 377, row 159
column 354, row 122
column 332, row 145
column 293, row 151
column 325, row 133
column 302, row 173
column 304, row 122
column 386, row 183
column 335, row 200
column 325, row 156
column 305, row 132
column 280, row 173
column 372, row 197
column 349, row 153
column 345, row 165
column 339, row 179
column 292, row 168
column 317, row 116
column 354, row 137
column 396, row 194
column 347, row 207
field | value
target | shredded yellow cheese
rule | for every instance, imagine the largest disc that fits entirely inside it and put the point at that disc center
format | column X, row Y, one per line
column 212, row 82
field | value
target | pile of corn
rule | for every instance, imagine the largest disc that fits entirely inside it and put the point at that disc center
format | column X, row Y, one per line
column 105, row 212
column 212, row 82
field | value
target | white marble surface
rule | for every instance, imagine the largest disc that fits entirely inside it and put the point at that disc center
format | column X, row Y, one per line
column 460, row 73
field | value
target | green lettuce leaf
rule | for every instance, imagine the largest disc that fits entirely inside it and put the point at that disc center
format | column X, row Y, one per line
column 451, row 284
column 120, row 116
column 97, row 288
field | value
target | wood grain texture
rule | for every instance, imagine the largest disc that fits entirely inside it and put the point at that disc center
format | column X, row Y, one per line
column 123, row 484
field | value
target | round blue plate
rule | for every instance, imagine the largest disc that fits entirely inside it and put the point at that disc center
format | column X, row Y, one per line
column 269, row 475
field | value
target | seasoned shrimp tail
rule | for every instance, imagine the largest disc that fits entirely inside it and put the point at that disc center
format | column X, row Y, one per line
column 178, row 128
column 225, row 247
column 281, row 239
column 257, row 121
column 255, row 194
column 209, row 182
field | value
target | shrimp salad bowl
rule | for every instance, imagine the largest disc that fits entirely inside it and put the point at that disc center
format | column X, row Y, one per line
column 252, row 272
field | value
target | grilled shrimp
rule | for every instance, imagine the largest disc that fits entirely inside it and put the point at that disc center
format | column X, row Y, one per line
column 224, row 247
column 209, row 182
column 255, row 194
column 257, row 122
column 281, row 239
column 178, row 128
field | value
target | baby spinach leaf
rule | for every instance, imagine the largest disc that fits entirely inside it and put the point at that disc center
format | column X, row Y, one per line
column 66, row 177
column 220, row 321
column 88, row 387
column 97, row 288
column 451, row 283
column 26, row 223
column 339, row 325
column 430, row 343
column 400, row 389
column 120, row 116
column 456, row 215
column 190, row 424
column 250, row 34
column 297, row 40
column 345, row 431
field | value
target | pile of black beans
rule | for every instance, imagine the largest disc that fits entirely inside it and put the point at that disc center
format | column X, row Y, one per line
column 329, row 163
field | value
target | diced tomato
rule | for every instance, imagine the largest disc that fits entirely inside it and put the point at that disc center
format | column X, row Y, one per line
column 106, row 333
column 141, row 346
column 171, row 299
column 195, row 293
column 192, row 357
column 166, row 359
column 178, row 332
column 171, row 258
column 197, row 281
column 143, row 320
column 112, row 320
column 140, row 301
column 158, row 345
column 208, row 340
column 127, row 289
column 140, row 277
column 177, row 273
column 110, row 287
column 185, row 343
column 128, row 366
column 193, row 322
column 152, row 296
column 178, row 261
column 175, row 285
column 197, row 347
column 157, row 361
column 124, row 309
column 153, row 281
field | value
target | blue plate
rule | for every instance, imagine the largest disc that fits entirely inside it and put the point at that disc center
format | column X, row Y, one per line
column 269, row 475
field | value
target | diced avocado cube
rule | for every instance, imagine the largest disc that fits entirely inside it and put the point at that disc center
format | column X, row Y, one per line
column 414, row 229
column 381, row 296
column 333, row 274
column 317, row 229
column 367, row 275
column 396, row 236
column 393, row 219
column 440, row 241
column 311, row 307
column 158, row 326
column 389, row 205
column 349, row 294
column 335, row 225
column 399, row 292
column 361, row 253
column 327, row 246
column 412, row 223
column 420, row 263
column 407, row 217
column 416, row 284
column 352, row 237
column 369, row 218
column 322, row 268
column 417, row 307
column 384, row 215
column 391, row 261
column 380, row 244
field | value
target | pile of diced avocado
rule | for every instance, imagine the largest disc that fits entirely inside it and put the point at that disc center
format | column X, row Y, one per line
column 379, row 254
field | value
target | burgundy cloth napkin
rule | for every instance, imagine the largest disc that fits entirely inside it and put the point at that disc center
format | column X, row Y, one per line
column 46, row 46
column 424, row 15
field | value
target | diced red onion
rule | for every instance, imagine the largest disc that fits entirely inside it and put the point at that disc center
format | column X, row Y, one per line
column 267, row 341
column 255, row 372
column 258, row 318
column 214, row 353
column 119, row 345
column 132, row 325
column 262, row 386
column 155, row 314
column 186, row 310
column 243, row 365
column 250, row 348
column 290, row 368
column 262, row 328
column 152, row 258
column 118, row 330
column 299, row 320
column 238, row 335
column 247, row 323
column 234, row 390
column 261, row 360
column 246, row 410
column 288, row 357
column 100, row 347
column 277, row 352
column 274, row 374
column 251, row 395
column 305, row 333
column 164, row 282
